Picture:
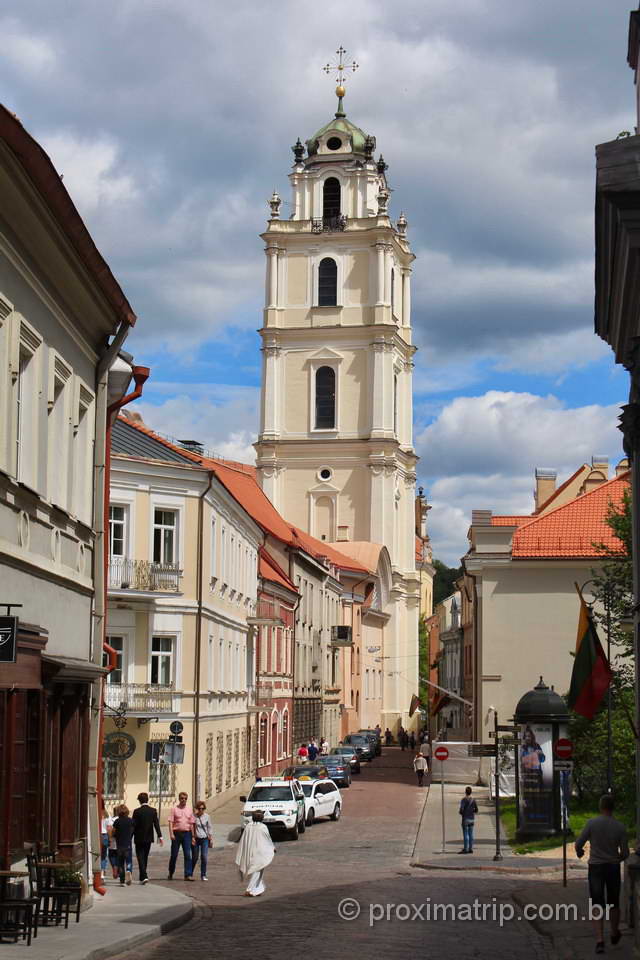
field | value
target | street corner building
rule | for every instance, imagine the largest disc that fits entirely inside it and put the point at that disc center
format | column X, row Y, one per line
column 60, row 308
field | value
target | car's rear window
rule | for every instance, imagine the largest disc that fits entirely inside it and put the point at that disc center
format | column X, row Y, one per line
column 262, row 794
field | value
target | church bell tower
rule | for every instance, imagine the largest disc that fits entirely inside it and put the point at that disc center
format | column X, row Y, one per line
column 335, row 450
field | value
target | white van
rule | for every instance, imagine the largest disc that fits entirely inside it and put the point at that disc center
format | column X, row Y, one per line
column 281, row 801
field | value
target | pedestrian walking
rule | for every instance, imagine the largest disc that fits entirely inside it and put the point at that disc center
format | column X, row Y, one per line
column 105, row 823
column 145, row 828
column 388, row 737
column 401, row 738
column 419, row 765
column 255, row 854
column 412, row 740
column 467, row 811
column 608, row 849
column 123, row 833
column 324, row 747
column 303, row 753
column 204, row 839
column 378, row 730
column 113, row 851
column 425, row 750
column 182, row 832
column 313, row 750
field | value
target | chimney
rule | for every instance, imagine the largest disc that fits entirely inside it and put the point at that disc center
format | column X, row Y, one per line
column 545, row 485
column 622, row 467
column 481, row 518
column 599, row 474
column 600, row 463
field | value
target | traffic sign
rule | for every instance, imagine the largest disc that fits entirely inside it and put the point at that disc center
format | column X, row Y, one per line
column 441, row 753
column 566, row 765
column 563, row 749
column 176, row 728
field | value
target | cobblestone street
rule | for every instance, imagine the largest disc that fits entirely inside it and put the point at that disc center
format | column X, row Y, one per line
column 364, row 856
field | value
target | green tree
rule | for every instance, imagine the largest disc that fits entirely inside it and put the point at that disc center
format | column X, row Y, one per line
column 423, row 662
column 444, row 581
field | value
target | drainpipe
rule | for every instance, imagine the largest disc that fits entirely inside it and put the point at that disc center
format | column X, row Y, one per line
column 198, row 657
column 140, row 376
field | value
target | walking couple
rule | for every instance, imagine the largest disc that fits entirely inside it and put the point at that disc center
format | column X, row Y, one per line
column 122, row 831
column 190, row 832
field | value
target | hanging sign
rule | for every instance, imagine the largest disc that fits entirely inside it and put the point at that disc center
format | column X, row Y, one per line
column 119, row 745
column 8, row 639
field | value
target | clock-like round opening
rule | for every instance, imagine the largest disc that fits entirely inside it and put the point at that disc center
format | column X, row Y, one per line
column 325, row 473
column 334, row 143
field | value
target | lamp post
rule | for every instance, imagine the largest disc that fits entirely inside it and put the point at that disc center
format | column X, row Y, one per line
column 607, row 597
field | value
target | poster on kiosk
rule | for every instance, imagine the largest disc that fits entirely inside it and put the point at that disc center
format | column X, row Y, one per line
column 535, row 754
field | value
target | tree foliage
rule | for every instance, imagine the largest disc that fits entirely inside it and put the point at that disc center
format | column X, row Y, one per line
column 423, row 662
column 444, row 581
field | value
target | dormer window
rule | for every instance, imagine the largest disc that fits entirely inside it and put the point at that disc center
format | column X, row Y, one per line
column 334, row 143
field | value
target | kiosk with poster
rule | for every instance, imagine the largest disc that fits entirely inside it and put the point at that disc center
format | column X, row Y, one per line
column 542, row 718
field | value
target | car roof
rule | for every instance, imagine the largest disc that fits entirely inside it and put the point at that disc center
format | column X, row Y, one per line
column 270, row 781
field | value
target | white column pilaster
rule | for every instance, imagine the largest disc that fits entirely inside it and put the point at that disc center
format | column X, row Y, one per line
column 280, row 297
column 271, row 428
column 377, row 388
column 388, row 262
column 380, row 274
column 272, row 276
column 406, row 297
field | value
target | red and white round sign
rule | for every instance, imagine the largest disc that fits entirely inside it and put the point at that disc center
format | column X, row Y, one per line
column 563, row 749
column 441, row 753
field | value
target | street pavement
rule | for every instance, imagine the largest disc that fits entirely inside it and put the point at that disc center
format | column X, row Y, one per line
column 363, row 862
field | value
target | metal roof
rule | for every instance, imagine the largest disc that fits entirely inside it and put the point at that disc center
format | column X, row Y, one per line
column 129, row 442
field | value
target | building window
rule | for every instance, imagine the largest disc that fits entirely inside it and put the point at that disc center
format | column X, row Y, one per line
column 395, row 403
column 117, row 531
column 331, row 199
column 285, row 733
column 59, row 434
column 262, row 742
column 111, row 779
column 164, row 536
column 25, row 394
column 161, row 660
column 325, row 398
column 82, row 456
column 213, row 547
column 328, row 283
column 160, row 779
column 116, row 675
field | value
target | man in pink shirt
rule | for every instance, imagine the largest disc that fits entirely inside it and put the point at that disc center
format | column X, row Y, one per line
column 182, row 832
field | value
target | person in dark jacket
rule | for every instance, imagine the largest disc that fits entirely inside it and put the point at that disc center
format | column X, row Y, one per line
column 468, row 810
column 123, row 832
column 145, row 822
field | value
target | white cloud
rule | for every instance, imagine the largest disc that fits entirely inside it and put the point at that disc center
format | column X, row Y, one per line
column 89, row 169
column 26, row 51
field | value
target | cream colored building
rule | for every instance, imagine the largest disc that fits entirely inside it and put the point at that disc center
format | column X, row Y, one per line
column 182, row 592
column 335, row 452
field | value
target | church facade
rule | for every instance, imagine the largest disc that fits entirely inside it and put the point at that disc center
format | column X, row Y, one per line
column 335, row 450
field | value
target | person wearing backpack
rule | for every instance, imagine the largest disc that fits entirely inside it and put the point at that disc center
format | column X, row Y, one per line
column 468, row 810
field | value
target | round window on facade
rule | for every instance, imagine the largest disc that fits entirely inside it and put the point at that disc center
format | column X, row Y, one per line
column 325, row 473
column 334, row 143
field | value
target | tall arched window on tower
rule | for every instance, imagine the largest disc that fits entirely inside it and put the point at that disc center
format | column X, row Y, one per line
column 395, row 403
column 325, row 398
column 331, row 201
column 327, row 283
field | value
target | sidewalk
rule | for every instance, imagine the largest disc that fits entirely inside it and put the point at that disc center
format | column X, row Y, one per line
column 428, row 851
column 123, row 918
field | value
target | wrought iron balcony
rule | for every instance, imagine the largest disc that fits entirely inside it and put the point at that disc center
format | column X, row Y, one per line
column 329, row 224
column 267, row 612
column 143, row 575
column 139, row 698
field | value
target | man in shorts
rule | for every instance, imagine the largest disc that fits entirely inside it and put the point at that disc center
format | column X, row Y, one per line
column 608, row 848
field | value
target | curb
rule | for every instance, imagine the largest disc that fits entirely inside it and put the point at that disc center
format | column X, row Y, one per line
column 175, row 917
column 524, row 872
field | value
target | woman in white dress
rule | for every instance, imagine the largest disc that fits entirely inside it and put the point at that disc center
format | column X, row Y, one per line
column 255, row 854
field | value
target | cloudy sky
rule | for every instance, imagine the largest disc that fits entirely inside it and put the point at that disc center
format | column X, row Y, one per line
column 172, row 121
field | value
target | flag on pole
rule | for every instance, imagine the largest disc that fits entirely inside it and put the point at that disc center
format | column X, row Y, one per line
column 591, row 673
column 415, row 703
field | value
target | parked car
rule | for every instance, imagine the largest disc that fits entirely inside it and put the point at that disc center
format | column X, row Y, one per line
column 349, row 753
column 306, row 771
column 339, row 769
column 361, row 740
column 282, row 802
column 321, row 799
column 377, row 739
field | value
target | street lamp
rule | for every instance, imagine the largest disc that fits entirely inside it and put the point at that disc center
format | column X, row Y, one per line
column 607, row 597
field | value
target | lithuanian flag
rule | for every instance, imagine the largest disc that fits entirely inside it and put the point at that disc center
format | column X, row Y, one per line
column 591, row 673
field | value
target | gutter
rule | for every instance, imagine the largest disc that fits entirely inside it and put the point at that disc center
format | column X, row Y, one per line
column 198, row 651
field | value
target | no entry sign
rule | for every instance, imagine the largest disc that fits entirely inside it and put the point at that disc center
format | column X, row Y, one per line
column 441, row 753
column 563, row 749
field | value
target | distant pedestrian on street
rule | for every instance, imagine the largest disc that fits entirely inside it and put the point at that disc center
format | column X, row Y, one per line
column 402, row 738
column 378, row 730
column 145, row 822
column 182, row 832
column 303, row 753
column 425, row 750
column 105, row 823
column 204, row 839
column 324, row 747
column 412, row 740
column 388, row 737
column 608, row 849
column 468, row 810
column 255, row 854
column 123, row 834
column 313, row 751
column 113, row 851
column 419, row 765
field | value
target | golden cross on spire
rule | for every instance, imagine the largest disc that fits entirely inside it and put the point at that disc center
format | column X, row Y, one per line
column 340, row 67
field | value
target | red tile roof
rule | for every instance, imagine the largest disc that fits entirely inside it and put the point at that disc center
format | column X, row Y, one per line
column 571, row 530
column 268, row 569
column 509, row 521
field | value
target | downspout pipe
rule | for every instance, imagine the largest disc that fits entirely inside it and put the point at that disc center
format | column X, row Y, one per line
column 140, row 376
column 198, row 651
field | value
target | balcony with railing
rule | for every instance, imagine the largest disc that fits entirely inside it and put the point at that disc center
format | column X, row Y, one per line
column 140, row 699
column 267, row 612
column 331, row 224
column 144, row 576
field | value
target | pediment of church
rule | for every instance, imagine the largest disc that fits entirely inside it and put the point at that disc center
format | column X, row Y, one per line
column 325, row 353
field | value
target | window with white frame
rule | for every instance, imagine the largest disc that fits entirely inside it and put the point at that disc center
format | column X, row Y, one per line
column 26, row 391
column 82, row 458
column 214, row 554
column 162, row 653
column 112, row 778
column 224, row 573
column 220, row 680
column 117, row 530
column 232, row 562
column 160, row 779
column 117, row 643
column 165, row 524
column 58, row 428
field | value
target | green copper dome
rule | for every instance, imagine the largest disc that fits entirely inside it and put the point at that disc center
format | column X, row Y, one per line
column 341, row 125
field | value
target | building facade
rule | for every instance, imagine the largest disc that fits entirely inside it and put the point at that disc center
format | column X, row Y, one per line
column 335, row 452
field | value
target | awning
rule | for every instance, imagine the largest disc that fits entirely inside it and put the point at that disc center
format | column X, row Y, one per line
column 70, row 669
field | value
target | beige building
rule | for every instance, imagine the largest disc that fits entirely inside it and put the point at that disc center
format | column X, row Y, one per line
column 182, row 594
column 520, row 575
column 335, row 451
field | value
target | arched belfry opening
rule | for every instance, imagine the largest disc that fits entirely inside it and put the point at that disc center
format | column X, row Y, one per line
column 331, row 200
